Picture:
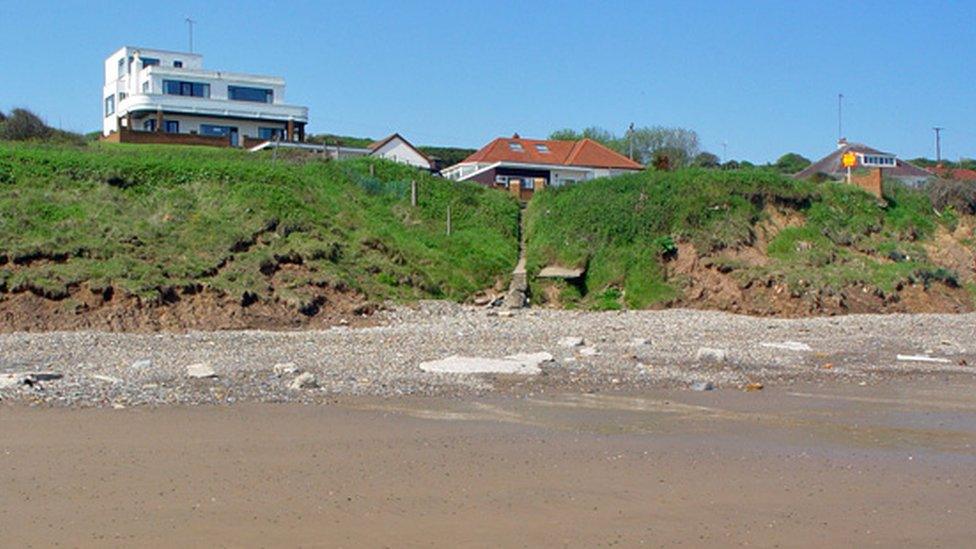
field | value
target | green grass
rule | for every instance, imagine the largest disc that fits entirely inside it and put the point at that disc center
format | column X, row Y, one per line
column 146, row 218
column 620, row 228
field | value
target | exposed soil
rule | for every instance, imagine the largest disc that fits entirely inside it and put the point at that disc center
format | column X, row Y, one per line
column 708, row 284
column 190, row 309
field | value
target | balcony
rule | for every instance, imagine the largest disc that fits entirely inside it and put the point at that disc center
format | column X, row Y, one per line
column 203, row 106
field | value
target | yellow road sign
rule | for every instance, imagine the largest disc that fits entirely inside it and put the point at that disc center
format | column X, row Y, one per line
column 849, row 159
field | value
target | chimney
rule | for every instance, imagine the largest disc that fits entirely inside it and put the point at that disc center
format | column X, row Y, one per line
column 515, row 136
column 842, row 142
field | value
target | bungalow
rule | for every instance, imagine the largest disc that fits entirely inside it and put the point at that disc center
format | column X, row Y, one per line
column 393, row 147
column 867, row 170
column 524, row 165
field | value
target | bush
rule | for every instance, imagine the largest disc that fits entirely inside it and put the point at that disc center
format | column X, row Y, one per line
column 949, row 193
column 23, row 125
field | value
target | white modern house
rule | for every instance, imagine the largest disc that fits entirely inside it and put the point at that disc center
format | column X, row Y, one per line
column 155, row 95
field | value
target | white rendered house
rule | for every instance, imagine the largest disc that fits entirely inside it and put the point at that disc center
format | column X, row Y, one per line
column 170, row 94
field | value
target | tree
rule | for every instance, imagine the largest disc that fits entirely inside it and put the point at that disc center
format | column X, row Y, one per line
column 565, row 134
column 706, row 159
column 791, row 163
column 679, row 145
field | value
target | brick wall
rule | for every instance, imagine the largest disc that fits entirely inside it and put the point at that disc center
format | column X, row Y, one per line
column 125, row 135
column 870, row 180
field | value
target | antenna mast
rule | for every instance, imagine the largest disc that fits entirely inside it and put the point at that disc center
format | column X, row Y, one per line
column 938, row 144
column 840, row 119
column 189, row 26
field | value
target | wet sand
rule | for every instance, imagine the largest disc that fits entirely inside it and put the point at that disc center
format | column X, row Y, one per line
column 840, row 465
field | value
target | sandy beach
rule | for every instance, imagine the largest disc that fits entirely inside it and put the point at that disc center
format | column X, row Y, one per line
column 810, row 465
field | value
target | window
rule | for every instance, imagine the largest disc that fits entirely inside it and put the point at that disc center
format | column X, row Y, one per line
column 542, row 147
column 178, row 64
column 515, row 146
column 528, row 183
column 171, row 126
column 501, row 180
column 145, row 87
column 110, row 105
column 148, row 61
column 122, row 67
column 257, row 95
column 194, row 89
column 122, row 95
column 149, row 125
column 271, row 133
column 568, row 181
column 212, row 130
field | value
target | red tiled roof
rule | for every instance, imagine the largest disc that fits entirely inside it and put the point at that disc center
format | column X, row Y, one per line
column 584, row 152
column 961, row 174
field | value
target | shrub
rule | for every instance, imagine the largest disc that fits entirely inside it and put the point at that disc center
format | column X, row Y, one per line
column 23, row 125
column 950, row 193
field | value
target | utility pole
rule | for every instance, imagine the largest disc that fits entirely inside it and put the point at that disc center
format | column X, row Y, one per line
column 840, row 119
column 189, row 26
column 938, row 144
column 725, row 151
column 630, row 139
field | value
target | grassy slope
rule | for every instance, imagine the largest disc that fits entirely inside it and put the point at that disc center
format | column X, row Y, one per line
column 621, row 228
column 145, row 218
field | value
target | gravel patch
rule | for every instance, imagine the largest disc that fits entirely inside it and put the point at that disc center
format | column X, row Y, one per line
column 632, row 350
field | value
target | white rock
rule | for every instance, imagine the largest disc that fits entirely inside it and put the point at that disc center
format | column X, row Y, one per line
column 8, row 381
column 106, row 379
column 141, row 364
column 923, row 358
column 303, row 381
column 285, row 369
column 589, row 351
column 505, row 313
column 788, row 346
column 478, row 365
column 200, row 370
column 707, row 354
column 531, row 359
column 571, row 341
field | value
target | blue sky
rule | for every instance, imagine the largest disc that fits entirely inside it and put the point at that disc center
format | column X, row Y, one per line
column 760, row 76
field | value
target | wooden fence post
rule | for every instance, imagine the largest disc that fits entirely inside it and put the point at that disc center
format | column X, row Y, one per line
column 413, row 192
column 371, row 171
column 449, row 221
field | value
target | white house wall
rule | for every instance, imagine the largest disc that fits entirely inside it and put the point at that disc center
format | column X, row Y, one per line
column 398, row 151
column 191, row 124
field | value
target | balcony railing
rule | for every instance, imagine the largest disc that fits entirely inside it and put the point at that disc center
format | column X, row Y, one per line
column 205, row 106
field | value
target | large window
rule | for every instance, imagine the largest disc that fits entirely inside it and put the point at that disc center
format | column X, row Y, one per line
column 213, row 130
column 271, row 133
column 257, row 95
column 110, row 105
column 148, row 61
column 195, row 89
column 122, row 67
column 149, row 125
column 171, row 126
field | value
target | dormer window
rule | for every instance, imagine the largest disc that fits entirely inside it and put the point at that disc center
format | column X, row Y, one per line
column 515, row 146
column 542, row 148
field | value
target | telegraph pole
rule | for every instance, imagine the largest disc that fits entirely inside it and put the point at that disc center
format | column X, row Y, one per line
column 840, row 119
column 938, row 144
column 189, row 26
column 630, row 139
